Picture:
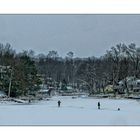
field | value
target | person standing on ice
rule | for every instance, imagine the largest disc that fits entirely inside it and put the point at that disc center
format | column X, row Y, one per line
column 59, row 102
column 98, row 105
column 29, row 101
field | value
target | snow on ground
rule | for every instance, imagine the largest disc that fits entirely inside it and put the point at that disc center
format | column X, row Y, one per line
column 78, row 111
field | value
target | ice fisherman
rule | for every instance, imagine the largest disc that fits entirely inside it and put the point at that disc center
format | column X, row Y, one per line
column 59, row 102
column 49, row 91
column 29, row 101
column 99, row 105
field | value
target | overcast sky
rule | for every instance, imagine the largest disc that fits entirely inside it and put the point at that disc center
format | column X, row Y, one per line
column 85, row 35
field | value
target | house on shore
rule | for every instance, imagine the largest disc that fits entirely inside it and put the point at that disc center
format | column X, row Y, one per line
column 130, row 84
column 2, row 94
column 47, row 91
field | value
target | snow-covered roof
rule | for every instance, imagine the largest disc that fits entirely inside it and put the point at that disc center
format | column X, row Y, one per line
column 121, row 82
column 138, row 81
column 43, row 90
column 69, row 88
column 2, row 93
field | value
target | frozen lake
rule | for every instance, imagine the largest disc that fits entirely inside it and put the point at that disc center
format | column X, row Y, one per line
column 78, row 111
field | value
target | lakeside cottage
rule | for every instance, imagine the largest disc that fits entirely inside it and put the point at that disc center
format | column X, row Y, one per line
column 130, row 83
column 48, row 91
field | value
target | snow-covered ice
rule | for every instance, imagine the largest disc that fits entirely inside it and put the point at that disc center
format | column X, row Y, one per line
column 76, row 111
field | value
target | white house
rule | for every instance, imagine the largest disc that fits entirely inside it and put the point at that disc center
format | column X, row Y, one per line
column 132, row 83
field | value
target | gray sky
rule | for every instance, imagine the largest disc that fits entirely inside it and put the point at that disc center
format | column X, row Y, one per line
column 85, row 35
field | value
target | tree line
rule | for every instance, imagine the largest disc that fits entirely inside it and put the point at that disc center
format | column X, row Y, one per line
column 19, row 69
column 92, row 74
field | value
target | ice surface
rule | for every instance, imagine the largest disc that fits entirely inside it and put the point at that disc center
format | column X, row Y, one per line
column 76, row 111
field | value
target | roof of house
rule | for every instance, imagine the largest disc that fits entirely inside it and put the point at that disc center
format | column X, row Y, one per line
column 2, row 93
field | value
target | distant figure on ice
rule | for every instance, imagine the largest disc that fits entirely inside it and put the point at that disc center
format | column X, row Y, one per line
column 59, row 102
column 98, row 105
column 49, row 91
column 118, row 109
column 29, row 100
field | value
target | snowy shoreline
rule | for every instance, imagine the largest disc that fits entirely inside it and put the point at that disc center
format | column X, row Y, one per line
column 25, row 100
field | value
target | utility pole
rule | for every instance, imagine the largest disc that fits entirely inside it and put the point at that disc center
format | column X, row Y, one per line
column 10, row 83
